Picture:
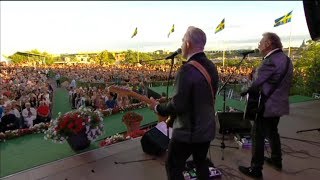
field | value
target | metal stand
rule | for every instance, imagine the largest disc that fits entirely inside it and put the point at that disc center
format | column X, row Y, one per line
column 167, row 95
column 223, row 146
column 317, row 129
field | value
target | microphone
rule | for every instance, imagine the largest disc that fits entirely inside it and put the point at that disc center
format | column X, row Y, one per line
column 245, row 53
column 178, row 51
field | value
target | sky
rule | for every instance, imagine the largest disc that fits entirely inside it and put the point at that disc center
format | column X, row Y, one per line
column 85, row 26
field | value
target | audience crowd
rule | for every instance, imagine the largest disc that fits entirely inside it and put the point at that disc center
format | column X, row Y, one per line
column 25, row 97
column 26, row 92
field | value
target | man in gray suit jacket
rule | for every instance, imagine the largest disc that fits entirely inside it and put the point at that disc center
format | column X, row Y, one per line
column 276, row 73
column 193, row 105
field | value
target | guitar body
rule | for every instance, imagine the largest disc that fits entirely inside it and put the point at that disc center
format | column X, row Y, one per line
column 253, row 105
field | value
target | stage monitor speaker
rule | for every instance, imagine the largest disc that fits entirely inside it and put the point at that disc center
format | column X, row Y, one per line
column 233, row 122
column 155, row 141
column 312, row 13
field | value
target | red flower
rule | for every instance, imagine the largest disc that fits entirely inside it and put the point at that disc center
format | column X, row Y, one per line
column 103, row 143
column 70, row 126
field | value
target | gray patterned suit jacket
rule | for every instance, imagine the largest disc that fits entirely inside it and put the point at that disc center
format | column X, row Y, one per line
column 269, row 74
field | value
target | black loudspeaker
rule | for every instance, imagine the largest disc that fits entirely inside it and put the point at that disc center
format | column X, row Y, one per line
column 233, row 122
column 154, row 142
column 153, row 94
column 312, row 13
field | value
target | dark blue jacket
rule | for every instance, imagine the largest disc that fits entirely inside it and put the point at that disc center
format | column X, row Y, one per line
column 193, row 103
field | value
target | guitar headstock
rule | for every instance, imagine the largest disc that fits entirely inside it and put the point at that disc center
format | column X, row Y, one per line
column 120, row 90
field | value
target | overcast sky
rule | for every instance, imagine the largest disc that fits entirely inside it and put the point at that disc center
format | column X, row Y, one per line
column 71, row 27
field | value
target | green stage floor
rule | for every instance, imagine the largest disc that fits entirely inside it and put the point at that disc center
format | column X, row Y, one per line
column 32, row 150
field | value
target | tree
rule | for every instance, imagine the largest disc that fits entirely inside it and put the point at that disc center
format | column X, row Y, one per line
column 306, row 78
column 17, row 58
column 131, row 57
column 111, row 58
column 103, row 57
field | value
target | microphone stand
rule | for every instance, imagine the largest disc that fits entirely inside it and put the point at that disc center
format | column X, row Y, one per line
column 223, row 146
column 167, row 95
column 168, row 80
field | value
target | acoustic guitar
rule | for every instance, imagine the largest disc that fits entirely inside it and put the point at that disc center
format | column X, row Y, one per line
column 128, row 92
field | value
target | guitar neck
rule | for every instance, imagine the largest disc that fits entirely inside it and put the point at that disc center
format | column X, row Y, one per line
column 130, row 93
column 141, row 98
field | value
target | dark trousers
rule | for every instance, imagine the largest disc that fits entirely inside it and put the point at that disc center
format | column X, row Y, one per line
column 179, row 152
column 265, row 128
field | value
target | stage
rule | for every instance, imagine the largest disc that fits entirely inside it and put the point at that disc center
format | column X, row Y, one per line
column 126, row 160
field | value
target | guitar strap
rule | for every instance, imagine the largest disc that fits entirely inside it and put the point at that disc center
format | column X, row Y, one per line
column 205, row 74
column 208, row 78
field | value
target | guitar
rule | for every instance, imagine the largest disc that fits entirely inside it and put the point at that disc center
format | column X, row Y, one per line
column 253, row 106
column 129, row 92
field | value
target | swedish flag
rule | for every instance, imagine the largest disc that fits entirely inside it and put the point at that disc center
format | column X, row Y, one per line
column 171, row 30
column 135, row 32
column 283, row 20
column 220, row 27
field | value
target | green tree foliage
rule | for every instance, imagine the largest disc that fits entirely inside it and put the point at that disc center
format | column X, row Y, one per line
column 17, row 58
column 111, row 58
column 306, row 71
column 131, row 57
column 103, row 57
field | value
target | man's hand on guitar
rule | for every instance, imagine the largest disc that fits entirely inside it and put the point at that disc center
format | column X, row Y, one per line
column 153, row 104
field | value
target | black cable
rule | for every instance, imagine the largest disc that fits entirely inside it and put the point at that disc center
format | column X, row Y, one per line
column 292, row 151
column 302, row 140
column 127, row 162
column 287, row 150
column 300, row 171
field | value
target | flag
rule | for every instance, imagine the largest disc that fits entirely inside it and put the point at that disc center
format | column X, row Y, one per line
column 171, row 30
column 283, row 20
column 135, row 32
column 220, row 27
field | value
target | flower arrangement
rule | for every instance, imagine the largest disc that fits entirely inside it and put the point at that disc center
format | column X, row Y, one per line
column 37, row 128
column 122, row 137
column 130, row 107
column 132, row 120
column 131, row 117
column 113, row 139
column 75, row 122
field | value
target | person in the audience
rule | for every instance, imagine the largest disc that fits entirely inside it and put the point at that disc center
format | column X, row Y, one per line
column 29, row 114
column 8, row 120
column 43, row 112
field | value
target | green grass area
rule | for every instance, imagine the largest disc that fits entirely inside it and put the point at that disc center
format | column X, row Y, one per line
column 298, row 99
column 32, row 150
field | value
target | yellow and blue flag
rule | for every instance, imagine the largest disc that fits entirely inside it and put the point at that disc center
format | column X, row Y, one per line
column 135, row 32
column 283, row 20
column 171, row 30
column 220, row 27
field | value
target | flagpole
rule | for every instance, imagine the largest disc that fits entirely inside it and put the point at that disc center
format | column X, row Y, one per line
column 138, row 52
column 223, row 54
column 289, row 51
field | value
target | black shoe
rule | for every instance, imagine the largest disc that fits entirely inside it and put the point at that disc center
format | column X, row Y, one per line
column 251, row 172
column 276, row 165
